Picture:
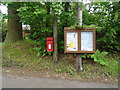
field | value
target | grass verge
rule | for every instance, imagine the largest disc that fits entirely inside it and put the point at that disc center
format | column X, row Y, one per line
column 21, row 54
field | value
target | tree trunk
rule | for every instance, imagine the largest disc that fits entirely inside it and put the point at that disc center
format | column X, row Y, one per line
column 55, row 53
column 14, row 31
column 79, row 56
column 48, row 13
column 67, row 6
column 79, row 14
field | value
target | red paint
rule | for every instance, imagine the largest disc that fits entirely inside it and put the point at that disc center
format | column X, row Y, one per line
column 49, row 44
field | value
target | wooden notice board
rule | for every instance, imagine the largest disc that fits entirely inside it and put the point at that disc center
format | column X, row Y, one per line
column 79, row 40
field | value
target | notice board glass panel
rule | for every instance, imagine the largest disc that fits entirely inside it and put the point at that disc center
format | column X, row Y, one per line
column 87, row 41
column 72, row 41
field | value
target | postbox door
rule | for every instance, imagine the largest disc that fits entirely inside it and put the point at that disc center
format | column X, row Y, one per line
column 49, row 45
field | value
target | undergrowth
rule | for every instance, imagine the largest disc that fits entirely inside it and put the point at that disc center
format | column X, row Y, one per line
column 22, row 54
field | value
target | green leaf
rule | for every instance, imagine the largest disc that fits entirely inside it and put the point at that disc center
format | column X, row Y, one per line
column 104, row 53
column 99, row 57
column 38, row 54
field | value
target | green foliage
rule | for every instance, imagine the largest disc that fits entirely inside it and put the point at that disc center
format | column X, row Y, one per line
column 19, row 54
column 70, row 70
column 113, row 65
column 102, row 15
column 40, row 18
column 3, row 27
column 39, row 69
column 56, row 9
column 58, row 70
column 41, row 51
column 99, row 57
column 3, row 22
column 7, row 63
column 2, row 35
column 83, row 26
column 84, row 55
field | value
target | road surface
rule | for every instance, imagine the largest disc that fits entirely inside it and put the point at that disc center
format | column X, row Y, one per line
column 12, row 81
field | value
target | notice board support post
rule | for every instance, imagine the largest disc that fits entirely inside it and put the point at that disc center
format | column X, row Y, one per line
column 79, row 62
column 79, row 56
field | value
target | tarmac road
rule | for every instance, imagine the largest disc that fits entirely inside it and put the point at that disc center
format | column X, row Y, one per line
column 12, row 81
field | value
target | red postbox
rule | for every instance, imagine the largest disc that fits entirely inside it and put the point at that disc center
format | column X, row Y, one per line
column 49, row 44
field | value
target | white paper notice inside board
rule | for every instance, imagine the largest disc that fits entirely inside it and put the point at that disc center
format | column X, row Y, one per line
column 87, row 41
column 72, row 41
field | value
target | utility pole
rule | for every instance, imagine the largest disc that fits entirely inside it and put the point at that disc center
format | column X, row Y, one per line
column 79, row 56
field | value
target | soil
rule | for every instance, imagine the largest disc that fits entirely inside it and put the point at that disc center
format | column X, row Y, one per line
column 27, row 72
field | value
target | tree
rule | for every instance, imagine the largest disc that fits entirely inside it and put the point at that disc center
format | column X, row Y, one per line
column 105, row 16
column 14, row 30
column 41, row 18
column 56, row 8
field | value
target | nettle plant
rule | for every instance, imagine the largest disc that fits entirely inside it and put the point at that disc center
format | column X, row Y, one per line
column 99, row 57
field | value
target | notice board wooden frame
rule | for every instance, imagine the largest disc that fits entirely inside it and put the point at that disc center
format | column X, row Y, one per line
column 67, row 29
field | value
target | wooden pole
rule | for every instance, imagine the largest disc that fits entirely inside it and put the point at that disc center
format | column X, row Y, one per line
column 79, row 62
column 79, row 56
column 55, row 53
